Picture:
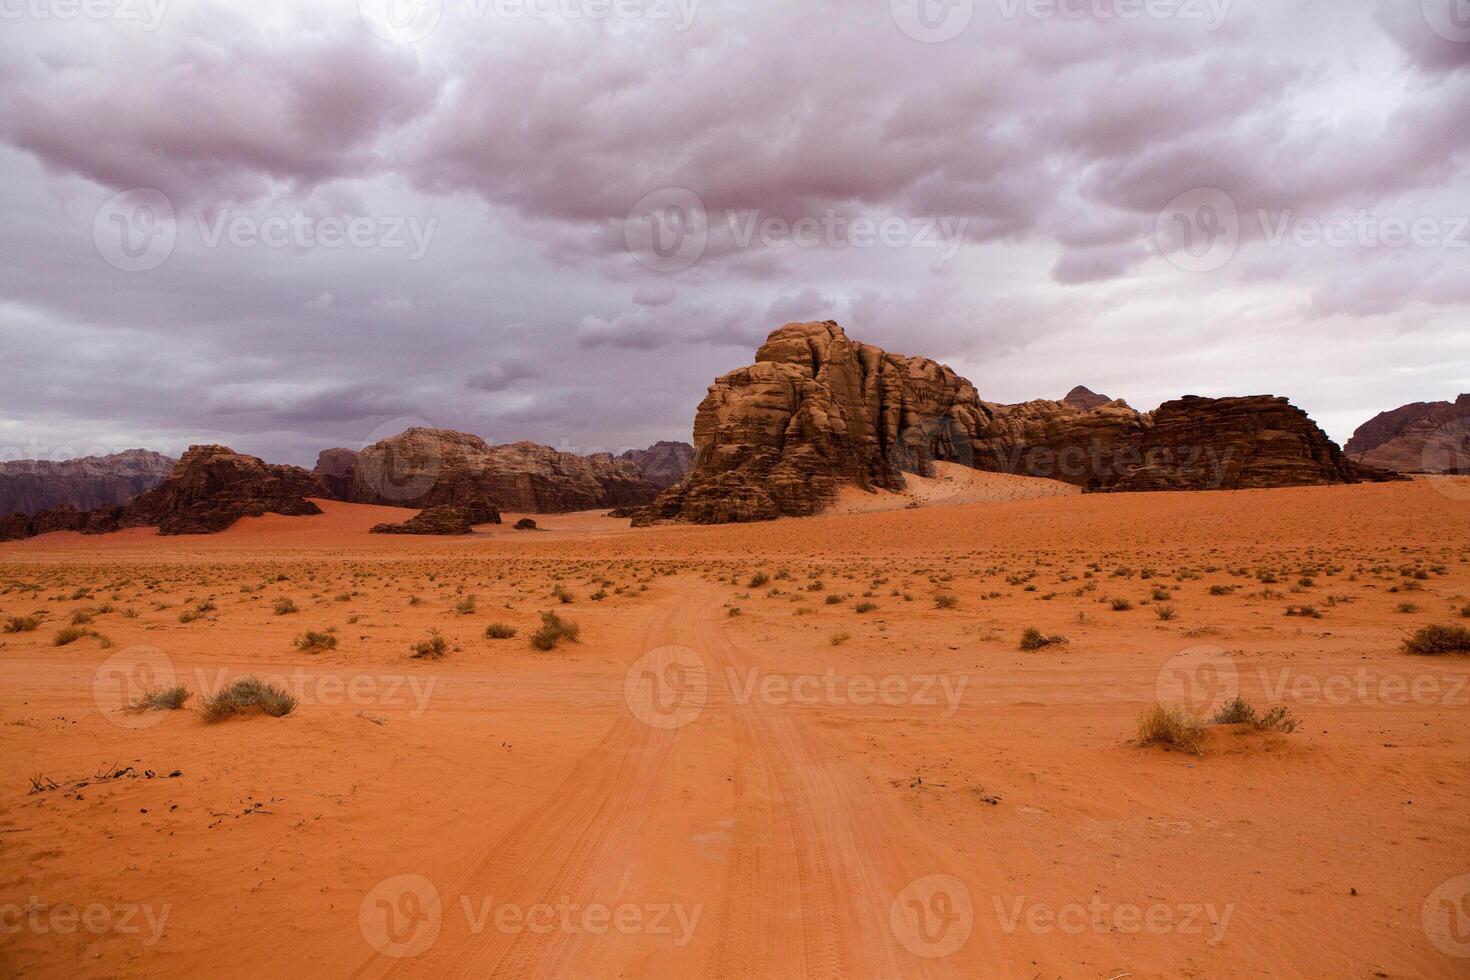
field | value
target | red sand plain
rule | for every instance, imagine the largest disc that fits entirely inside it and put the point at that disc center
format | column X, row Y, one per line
column 796, row 789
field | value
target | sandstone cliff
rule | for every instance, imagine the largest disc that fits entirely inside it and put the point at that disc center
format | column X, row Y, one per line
column 1423, row 437
column 335, row 468
column 29, row 486
column 663, row 464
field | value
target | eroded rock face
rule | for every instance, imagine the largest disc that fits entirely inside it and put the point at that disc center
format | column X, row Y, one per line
column 208, row 490
column 440, row 467
column 1423, row 437
column 434, row 520
column 818, row 410
column 335, row 468
column 663, row 464
column 30, row 486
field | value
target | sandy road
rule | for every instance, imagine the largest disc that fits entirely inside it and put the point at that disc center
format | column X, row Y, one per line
column 808, row 878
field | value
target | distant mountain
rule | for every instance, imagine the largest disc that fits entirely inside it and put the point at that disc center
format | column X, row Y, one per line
column 663, row 463
column 29, row 486
column 1085, row 399
column 1422, row 437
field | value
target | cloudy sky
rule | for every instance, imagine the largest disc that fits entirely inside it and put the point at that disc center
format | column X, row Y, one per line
column 288, row 226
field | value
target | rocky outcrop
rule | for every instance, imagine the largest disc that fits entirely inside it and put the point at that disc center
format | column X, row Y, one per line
column 1423, row 437
column 208, row 490
column 439, row 467
column 1085, row 399
column 334, row 467
column 817, row 411
column 663, row 464
column 435, row 520
column 29, row 486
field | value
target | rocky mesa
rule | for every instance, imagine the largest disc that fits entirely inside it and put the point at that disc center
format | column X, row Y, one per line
column 1422, row 437
column 29, row 486
column 817, row 410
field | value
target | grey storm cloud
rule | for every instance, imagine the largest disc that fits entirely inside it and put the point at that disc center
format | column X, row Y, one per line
column 1001, row 200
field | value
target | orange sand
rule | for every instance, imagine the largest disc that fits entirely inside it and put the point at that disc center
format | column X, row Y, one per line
column 695, row 793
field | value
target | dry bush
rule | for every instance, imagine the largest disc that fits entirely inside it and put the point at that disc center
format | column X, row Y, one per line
column 553, row 630
column 1433, row 641
column 162, row 699
column 1033, row 639
column 247, row 696
column 1170, row 726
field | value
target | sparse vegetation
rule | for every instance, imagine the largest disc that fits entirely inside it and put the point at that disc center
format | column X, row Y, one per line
column 838, row 638
column 433, row 648
column 1239, row 711
column 946, row 601
column 1434, row 641
column 1033, row 639
column 1121, row 605
column 553, row 630
column 500, row 631
column 1171, row 726
column 21, row 624
column 247, row 696
column 1165, row 612
column 162, row 699
column 284, row 607
column 465, row 606
column 315, row 642
column 865, row 607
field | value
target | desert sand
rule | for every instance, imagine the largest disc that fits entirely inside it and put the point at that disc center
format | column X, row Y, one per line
column 729, row 774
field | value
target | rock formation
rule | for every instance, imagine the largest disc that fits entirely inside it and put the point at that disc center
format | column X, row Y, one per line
column 435, row 520
column 209, row 489
column 29, row 486
column 439, row 467
column 818, row 410
column 1423, row 437
column 1085, row 399
column 335, row 468
column 663, row 464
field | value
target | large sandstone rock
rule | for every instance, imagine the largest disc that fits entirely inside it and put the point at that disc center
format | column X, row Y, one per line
column 664, row 463
column 435, row 520
column 335, row 468
column 1085, row 399
column 439, row 467
column 208, row 490
column 817, row 411
column 29, row 486
column 1423, row 437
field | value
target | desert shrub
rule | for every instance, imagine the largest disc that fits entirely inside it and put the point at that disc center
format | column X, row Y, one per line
column 839, row 638
column 1165, row 612
column 465, row 606
column 311, row 642
column 946, row 601
column 865, row 607
column 1169, row 725
column 758, row 579
column 834, row 599
column 1465, row 612
column 162, row 699
column 81, row 617
column 247, row 696
column 500, row 631
column 21, row 624
column 1432, row 641
column 1221, row 589
column 1278, row 719
column 285, row 606
column 1408, row 607
column 1033, row 639
column 1306, row 612
column 70, row 634
column 561, row 594
column 733, row 611
column 1236, row 711
column 599, row 595
column 431, row 649
column 553, row 630
column 1121, row 605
